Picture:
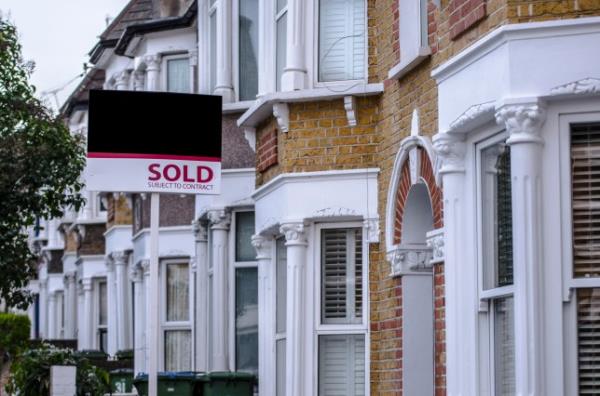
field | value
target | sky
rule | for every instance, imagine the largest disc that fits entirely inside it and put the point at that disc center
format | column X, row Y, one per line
column 57, row 35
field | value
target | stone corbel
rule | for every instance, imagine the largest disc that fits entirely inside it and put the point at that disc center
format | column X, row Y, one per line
column 193, row 56
column 200, row 230
column 219, row 219
column 371, row 230
column 281, row 112
column 136, row 273
column 351, row 110
column 120, row 257
column 435, row 241
column 294, row 233
column 450, row 154
column 262, row 245
column 523, row 121
column 410, row 259
column 250, row 135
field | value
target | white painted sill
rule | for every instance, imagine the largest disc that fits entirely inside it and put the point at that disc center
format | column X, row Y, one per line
column 406, row 65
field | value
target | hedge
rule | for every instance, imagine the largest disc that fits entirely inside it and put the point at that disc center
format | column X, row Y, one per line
column 14, row 333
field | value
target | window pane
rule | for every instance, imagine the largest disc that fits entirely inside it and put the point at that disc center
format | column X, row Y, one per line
column 102, row 305
column 178, row 75
column 588, row 329
column 504, row 346
column 342, row 365
column 248, row 66
column 342, row 43
column 246, row 319
column 213, row 51
column 497, row 216
column 281, row 4
column 178, row 350
column 281, row 285
column 424, row 23
column 585, row 184
column 178, row 297
column 341, row 275
column 281, row 48
column 244, row 229
column 280, row 361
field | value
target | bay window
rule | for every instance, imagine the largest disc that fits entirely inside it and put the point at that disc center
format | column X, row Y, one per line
column 342, row 329
column 176, row 316
column 342, row 40
column 102, row 317
column 246, row 295
column 496, row 260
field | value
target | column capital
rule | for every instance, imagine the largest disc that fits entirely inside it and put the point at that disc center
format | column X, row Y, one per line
column 219, row 219
column 122, row 79
column 86, row 284
column 450, row 150
column 138, row 80
column 145, row 265
column 193, row 54
column 136, row 273
column 119, row 257
column 262, row 245
column 69, row 277
column 294, row 233
column 152, row 62
column 200, row 229
column 523, row 121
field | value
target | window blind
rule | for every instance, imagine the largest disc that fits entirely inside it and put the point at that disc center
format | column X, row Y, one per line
column 178, row 297
column 342, row 43
column 178, row 75
column 248, row 49
column 341, row 277
column 342, row 365
column 588, row 340
column 504, row 346
column 585, row 190
column 178, row 350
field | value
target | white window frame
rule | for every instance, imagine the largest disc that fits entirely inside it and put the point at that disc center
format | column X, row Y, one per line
column 232, row 286
column 487, row 297
column 165, row 58
column 316, row 58
column 571, row 284
column 276, row 17
column 339, row 329
column 278, row 335
column 413, row 54
column 97, row 326
column 179, row 325
column 212, row 41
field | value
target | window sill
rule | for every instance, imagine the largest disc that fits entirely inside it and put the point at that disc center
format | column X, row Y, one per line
column 236, row 107
column 402, row 68
column 263, row 107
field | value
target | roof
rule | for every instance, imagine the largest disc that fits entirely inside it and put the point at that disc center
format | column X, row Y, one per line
column 94, row 79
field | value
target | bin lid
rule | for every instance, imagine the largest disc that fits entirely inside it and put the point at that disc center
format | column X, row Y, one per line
column 231, row 376
column 122, row 371
column 169, row 375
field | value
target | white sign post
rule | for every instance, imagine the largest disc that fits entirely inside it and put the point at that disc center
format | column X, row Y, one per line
column 132, row 150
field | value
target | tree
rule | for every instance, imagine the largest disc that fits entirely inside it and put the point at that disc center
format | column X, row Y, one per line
column 40, row 165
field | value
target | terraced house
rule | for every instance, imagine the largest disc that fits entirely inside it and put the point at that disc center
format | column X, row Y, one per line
column 408, row 203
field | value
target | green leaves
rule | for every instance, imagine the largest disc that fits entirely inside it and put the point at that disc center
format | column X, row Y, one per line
column 14, row 333
column 40, row 165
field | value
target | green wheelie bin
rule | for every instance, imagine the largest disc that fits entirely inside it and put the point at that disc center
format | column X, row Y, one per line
column 226, row 383
column 121, row 380
column 169, row 383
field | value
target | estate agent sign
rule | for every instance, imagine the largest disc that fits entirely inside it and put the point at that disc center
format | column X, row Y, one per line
column 154, row 142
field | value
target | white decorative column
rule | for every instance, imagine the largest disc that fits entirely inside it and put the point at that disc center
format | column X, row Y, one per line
column 88, row 316
column 122, row 80
column 294, row 74
column 193, row 56
column 111, row 307
column 80, row 316
column 43, row 308
column 220, row 221
column 152, row 72
column 120, row 259
column 70, row 305
column 146, row 334
column 202, row 307
column 461, row 280
column 224, row 83
column 266, row 314
column 295, row 342
column 138, row 80
column 139, row 363
column 523, row 121
column 52, row 316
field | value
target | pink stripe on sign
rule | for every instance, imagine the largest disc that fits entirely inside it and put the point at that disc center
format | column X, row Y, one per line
column 153, row 156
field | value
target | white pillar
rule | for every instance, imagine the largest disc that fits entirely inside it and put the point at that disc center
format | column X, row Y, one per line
column 70, row 305
column 43, row 308
column 122, row 80
column 220, row 220
column 120, row 260
column 461, row 280
column 147, row 308
column 152, row 72
column 111, row 307
column 193, row 56
column 139, row 363
column 138, row 80
column 266, row 315
column 523, row 121
column 52, row 316
column 295, row 341
column 294, row 74
column 202, row 307
column 224, row 83
column 88, row 315
column 80, row 332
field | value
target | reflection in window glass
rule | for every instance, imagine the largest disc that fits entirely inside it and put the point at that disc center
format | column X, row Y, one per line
column 178, row 350
column 504, row 346
column 244, row 229
column 246, row 319
column 178, row 297
column 178, row 75
column 248, row 58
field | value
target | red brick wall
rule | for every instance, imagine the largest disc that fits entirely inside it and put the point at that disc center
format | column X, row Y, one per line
column 267, row 149
column 464, row 14
column 439, row 331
